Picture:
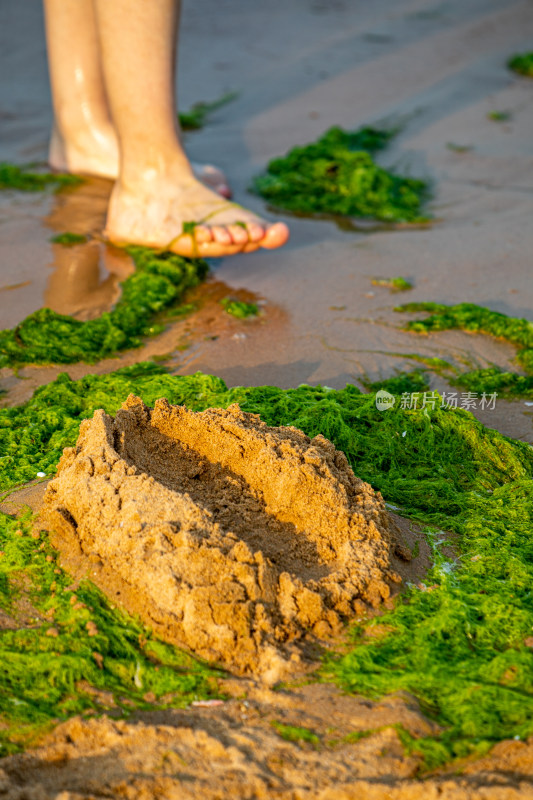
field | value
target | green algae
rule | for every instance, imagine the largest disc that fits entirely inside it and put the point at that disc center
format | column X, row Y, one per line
column 46, row 678
column 68, row 238
column 435, row 363
column 239, row 309
column 46, row 337
column 33, row 435
column 76, row 654
column 411, row 382
column 458, row 642
column 295, row 733
column 478, row 319
column 522, row 63
column 337, row 175
column 25, row 179
column 196, row 117
column 494, row 379
column 473, row 318
column 459, row 148
column 398, row 284
column 499, row 116
column 355, row 736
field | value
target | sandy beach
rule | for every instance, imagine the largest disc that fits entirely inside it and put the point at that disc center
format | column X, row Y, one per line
column 436, row 70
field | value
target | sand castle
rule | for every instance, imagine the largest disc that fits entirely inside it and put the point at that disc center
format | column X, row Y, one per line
column 226, row 536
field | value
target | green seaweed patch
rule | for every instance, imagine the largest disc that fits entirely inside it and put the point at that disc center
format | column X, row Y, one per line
column 33, row 435
column 25, row 179
column 459, row 148
column 460, row 642
column 434, row 753
column 410, row 382
column 196, row 117
column 522, row 63
column 398, row 284
column 77, row 654
column 69, row 238
column 239, row 309
column 495, row 380
column 439, row 365
column 486, row 381
column 337, row 175
column 355, row 736
column 499, row 116
column 182, row 310
column 478, row 319
column 46, row 337
column 473, row 318
column 295, row 733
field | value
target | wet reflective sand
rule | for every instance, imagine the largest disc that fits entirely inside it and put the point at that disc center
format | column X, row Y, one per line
column 322, row 320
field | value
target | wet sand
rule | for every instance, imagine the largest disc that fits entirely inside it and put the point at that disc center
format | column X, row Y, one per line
column 437, row 70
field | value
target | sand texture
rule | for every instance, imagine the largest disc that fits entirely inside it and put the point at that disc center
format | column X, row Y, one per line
column 234, row 751
column 228, row 537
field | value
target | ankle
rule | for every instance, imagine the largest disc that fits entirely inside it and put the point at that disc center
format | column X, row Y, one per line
column 84, row 135
column 156, row 169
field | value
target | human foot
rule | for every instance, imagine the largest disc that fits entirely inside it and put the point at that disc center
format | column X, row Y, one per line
column 178, row 213
column 96, row 153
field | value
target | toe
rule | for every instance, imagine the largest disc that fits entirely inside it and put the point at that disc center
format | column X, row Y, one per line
column 223, row 190
column 256, row 232
column 213, row 178
column 186, row 246
column 217, row 250
column 276, row 235
column 203, row 233
column 238, row 233
column 221, row 235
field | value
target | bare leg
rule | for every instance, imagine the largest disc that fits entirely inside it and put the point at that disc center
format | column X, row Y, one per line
column 157, row 193
column 84, row 138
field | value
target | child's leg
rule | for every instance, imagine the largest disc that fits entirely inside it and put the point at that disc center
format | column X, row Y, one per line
column 84, row 138
column 157, row 192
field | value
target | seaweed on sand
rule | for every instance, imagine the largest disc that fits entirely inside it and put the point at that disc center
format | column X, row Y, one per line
column 499, row 116
column 45, row 337
column 239, row 308
column 76, row 654
column 196, row 117
column 337, row 175
column 522, row 63
column 25, row 179
column 398, row 284
column 478, row 319
column 68, row 239
column 461, row 642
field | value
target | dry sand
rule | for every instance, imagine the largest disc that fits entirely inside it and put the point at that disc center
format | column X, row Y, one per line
column 300, row 67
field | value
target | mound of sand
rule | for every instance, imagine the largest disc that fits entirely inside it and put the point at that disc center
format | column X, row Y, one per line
column 226, row 536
